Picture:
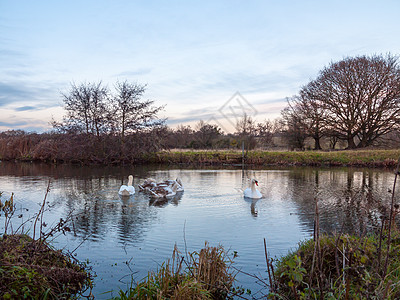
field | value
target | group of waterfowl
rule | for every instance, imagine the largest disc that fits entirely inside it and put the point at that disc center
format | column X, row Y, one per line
column 169, row 188
column 164, row 189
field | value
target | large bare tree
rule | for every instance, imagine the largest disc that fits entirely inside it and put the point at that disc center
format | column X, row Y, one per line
column 360, row 97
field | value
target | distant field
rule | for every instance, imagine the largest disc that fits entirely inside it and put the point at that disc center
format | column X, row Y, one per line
column 362, row 158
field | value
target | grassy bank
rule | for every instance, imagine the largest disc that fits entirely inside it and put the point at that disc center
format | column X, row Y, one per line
column 30, row 268
column 340, row 267
column 359, row 158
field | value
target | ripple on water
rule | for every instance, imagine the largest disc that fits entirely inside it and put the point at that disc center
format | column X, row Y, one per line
column 124, row 237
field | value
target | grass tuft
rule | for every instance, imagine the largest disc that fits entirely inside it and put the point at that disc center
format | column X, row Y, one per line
column 201, row 275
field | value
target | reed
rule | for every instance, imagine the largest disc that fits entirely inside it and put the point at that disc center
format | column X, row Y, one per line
column 206, row 274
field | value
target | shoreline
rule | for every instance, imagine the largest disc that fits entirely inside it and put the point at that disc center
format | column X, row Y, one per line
column 345, row 158
column 385, row 159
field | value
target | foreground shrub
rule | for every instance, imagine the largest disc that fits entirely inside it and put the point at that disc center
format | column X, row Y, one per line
column 340, row 267
column 32, row 269
column 202, row 275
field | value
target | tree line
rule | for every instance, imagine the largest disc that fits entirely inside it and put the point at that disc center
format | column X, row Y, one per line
column 353, row 103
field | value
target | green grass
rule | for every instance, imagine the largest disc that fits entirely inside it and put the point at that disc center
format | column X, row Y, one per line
column 362, row 158
column 302, row 275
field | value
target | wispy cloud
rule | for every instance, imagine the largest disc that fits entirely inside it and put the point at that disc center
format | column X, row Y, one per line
column 27, row 124
column 134, row 73
column 25, row 108
column 10, row 93
column 20, row 92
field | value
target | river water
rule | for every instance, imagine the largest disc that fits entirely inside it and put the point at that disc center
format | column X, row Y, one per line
column 125, row 238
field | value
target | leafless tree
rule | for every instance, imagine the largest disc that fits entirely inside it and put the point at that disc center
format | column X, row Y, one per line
column 87, row 109
column 293, row 127
column 265, row 132
column 360, row 97
column 131, row 112
column 310, row 114
column 206, row 134
column 247, row 131
column 183, row 136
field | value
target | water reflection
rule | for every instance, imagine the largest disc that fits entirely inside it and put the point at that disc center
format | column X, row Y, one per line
column 162, row 201
column 353, row 198
column 116, row 229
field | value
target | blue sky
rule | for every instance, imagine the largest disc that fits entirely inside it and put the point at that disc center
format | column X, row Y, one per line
column 193, row 55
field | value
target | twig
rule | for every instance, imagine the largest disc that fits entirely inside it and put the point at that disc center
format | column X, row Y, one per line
column 40, row 214
column 379, row 250
column 390, row 219
column 268, row 268
column 184, row 238
column 84, row 240
column 336, row 250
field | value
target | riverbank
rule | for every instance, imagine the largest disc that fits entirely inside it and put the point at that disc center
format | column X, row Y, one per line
column 33, row 269
column 346, row 158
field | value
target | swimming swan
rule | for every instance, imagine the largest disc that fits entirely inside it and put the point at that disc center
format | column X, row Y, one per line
column 127, row 190
column 252, row 192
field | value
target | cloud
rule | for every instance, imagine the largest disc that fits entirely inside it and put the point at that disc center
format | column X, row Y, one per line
column 26, row 124
column 10, row 53
column 141, row 71
column 10, row 93
column 18, row 92
column 25, row 108
column 13, row 124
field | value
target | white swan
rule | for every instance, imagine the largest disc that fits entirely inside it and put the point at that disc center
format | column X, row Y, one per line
column 252, row 192
column 127, row 190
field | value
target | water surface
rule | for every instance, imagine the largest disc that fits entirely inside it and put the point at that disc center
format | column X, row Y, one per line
column 124, row 238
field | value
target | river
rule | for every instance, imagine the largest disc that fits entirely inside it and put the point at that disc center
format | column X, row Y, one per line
column 125, row 238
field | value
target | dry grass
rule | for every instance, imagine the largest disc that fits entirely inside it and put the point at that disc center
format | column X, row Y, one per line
column 200, row 275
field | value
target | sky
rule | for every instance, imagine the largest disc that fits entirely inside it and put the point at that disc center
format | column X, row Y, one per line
column 203, row 60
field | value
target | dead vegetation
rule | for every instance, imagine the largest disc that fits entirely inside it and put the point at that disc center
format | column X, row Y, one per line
column 30, row 268
column 207, row 274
